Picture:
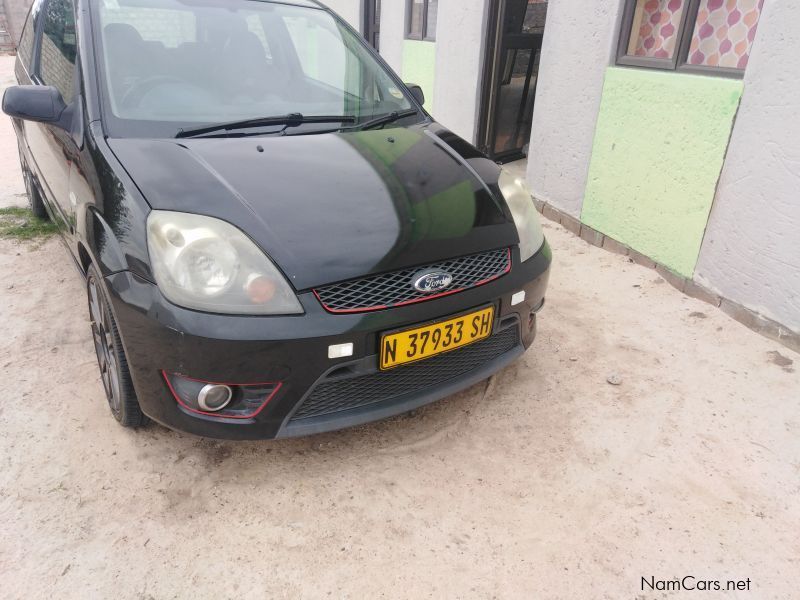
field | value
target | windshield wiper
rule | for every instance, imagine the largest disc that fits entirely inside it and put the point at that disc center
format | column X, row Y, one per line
column 290, row 120
column 371, row 124
column 386, row 119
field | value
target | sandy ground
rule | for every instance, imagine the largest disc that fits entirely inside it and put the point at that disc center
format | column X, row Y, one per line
column 547, row 482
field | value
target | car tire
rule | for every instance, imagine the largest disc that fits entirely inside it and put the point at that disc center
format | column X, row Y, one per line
column 34, row 195
column 114, row 372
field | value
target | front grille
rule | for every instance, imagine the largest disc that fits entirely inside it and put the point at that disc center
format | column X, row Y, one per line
column 388, row 290
column 344, row 394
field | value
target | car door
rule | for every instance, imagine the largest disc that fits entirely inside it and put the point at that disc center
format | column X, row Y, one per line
column 53, row 148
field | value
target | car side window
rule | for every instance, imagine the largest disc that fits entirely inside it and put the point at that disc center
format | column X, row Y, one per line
column 25, row 49
column 59, row 47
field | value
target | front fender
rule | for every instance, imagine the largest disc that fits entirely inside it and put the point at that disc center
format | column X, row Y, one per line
column 102, row 245
column 110, row 212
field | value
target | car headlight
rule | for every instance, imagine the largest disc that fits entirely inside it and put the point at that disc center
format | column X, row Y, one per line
column 520, row 202
column 207, row 264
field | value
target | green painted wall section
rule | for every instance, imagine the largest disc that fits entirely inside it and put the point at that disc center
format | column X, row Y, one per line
column 658, row 150
column 419, row 66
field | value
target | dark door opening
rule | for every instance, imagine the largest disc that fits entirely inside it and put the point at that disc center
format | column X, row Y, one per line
column 372, row 22
column 511, row 72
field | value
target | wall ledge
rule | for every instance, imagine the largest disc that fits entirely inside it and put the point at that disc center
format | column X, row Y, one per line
column 750, row 318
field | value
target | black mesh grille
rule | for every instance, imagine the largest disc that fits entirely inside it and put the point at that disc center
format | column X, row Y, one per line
column 343, row 394
column 392, row 289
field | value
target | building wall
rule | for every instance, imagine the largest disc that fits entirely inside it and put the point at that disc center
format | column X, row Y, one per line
column 460, row 43
column 579, row 40
column 663, row 162
column 16, row 12
column 450, row 69
column 349, row 10
column 6, row 37
column 751, row 251
column 419, row 66
column 658, row 150
column 393, row 18
column 55, row 69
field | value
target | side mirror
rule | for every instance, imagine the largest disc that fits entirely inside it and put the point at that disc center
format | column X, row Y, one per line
column 42, row 103
column 417, row 92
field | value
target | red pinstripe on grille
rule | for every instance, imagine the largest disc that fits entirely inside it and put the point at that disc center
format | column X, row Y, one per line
column 358, row 296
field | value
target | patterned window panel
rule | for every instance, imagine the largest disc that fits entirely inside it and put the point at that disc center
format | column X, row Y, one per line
column 655, row 28
column 724, row 33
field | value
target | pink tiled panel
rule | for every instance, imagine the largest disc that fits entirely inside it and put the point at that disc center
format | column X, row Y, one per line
column 724, row 33
column 659, row 28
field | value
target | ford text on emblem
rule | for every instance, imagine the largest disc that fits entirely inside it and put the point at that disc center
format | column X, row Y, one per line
column 432, row 281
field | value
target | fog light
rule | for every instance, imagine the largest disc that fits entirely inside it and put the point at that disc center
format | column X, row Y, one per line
column 221, row 400
column 213, row 398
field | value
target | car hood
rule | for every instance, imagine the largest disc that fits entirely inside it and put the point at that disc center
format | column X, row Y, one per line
column 337, row 206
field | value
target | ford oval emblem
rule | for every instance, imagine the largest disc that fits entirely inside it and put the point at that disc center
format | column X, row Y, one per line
column 432, row 281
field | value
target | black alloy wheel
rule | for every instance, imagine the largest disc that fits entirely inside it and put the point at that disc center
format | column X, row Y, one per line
column 111, row 356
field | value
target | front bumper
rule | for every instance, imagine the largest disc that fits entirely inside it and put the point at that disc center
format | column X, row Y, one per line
column 293, row 350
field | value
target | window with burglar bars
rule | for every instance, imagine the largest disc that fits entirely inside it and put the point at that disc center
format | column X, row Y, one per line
column 421, row 19
column 702, row 36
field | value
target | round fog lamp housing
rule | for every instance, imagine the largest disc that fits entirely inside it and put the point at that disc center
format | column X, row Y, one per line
column 214, row 397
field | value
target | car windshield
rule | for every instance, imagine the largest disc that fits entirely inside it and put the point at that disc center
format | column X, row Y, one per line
column 168, row 65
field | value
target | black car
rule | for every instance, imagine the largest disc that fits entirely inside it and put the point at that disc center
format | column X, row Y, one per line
column 277, row 239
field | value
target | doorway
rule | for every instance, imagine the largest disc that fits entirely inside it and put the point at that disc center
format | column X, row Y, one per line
column 511, row 72
column 372, row 23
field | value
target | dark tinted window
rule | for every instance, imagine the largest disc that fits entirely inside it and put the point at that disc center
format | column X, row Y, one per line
column 431, row 15
column 421, row 17
column 57, row 58
column 415, row 19
column 25, row 49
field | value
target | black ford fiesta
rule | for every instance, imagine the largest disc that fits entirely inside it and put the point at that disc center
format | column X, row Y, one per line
column 277, row 239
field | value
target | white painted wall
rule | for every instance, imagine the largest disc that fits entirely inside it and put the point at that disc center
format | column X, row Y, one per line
column 579, row 40
column 349, row 10
column 460, row 42
column 751, row 251
column 393, row 19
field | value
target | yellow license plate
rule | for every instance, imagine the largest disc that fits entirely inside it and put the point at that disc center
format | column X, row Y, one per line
column 416, row 344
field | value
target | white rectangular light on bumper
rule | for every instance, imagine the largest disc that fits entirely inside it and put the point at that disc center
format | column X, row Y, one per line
column 518, row 298
column 340, row 350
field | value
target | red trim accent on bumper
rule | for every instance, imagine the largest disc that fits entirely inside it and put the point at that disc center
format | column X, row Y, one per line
column 277, row 385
